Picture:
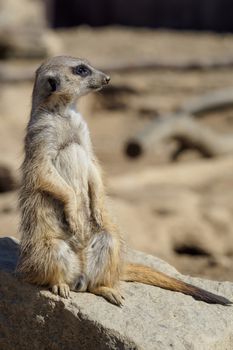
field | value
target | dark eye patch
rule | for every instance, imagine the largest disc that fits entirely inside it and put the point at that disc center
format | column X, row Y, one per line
column 82, row 70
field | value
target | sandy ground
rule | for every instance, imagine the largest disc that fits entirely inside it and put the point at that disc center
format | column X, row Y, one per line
column 185, row 220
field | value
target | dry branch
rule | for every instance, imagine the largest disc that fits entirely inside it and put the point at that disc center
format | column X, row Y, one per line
column 182, row 127
column 211, row 101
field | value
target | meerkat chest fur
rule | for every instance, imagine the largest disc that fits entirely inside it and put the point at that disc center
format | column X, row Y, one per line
column 73, row 156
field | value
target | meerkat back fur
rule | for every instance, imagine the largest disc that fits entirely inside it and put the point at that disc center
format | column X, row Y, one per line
column 68, row 240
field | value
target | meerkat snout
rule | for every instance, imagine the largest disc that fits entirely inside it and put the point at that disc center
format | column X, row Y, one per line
column 107, row 79
column 98, row 80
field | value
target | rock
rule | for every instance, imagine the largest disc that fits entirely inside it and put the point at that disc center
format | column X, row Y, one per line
column 151, row 319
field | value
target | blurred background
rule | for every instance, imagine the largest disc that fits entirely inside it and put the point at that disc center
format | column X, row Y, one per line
column 163, row 128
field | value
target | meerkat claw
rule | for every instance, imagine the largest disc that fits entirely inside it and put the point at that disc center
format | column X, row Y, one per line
column 54, row 289
column 116, row 298
column 61, row 289
column 110, row 294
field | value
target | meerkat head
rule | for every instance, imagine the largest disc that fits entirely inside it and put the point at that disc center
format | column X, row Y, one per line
column 66, row 78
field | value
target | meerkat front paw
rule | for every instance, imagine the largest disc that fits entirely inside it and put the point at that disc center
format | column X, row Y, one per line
column 97, row 215
column 61, row 289
column 75, row 222
column 71, row 214
column 72, row 220
column 73, row 226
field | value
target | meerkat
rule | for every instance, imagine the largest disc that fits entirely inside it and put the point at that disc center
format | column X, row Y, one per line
column 68, row 239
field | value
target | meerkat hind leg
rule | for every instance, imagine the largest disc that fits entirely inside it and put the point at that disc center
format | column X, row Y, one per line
column 110, row 294
column 102, row 267
column 63, row 264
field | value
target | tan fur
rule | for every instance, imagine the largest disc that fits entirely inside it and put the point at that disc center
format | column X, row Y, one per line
column 68, row 238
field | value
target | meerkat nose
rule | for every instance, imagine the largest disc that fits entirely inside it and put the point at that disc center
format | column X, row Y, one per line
column 107, row 79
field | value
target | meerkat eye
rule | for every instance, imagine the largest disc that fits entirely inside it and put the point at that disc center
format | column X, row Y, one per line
column 82, row 70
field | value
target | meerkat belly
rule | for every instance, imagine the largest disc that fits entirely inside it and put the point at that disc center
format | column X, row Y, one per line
column 72, row 164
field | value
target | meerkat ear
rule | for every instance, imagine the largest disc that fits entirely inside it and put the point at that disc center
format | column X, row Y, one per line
column 53, row 83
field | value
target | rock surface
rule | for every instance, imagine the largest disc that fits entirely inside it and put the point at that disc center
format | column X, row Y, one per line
column 151, row 319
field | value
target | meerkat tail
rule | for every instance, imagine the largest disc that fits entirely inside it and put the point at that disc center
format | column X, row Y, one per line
column 147, row 275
